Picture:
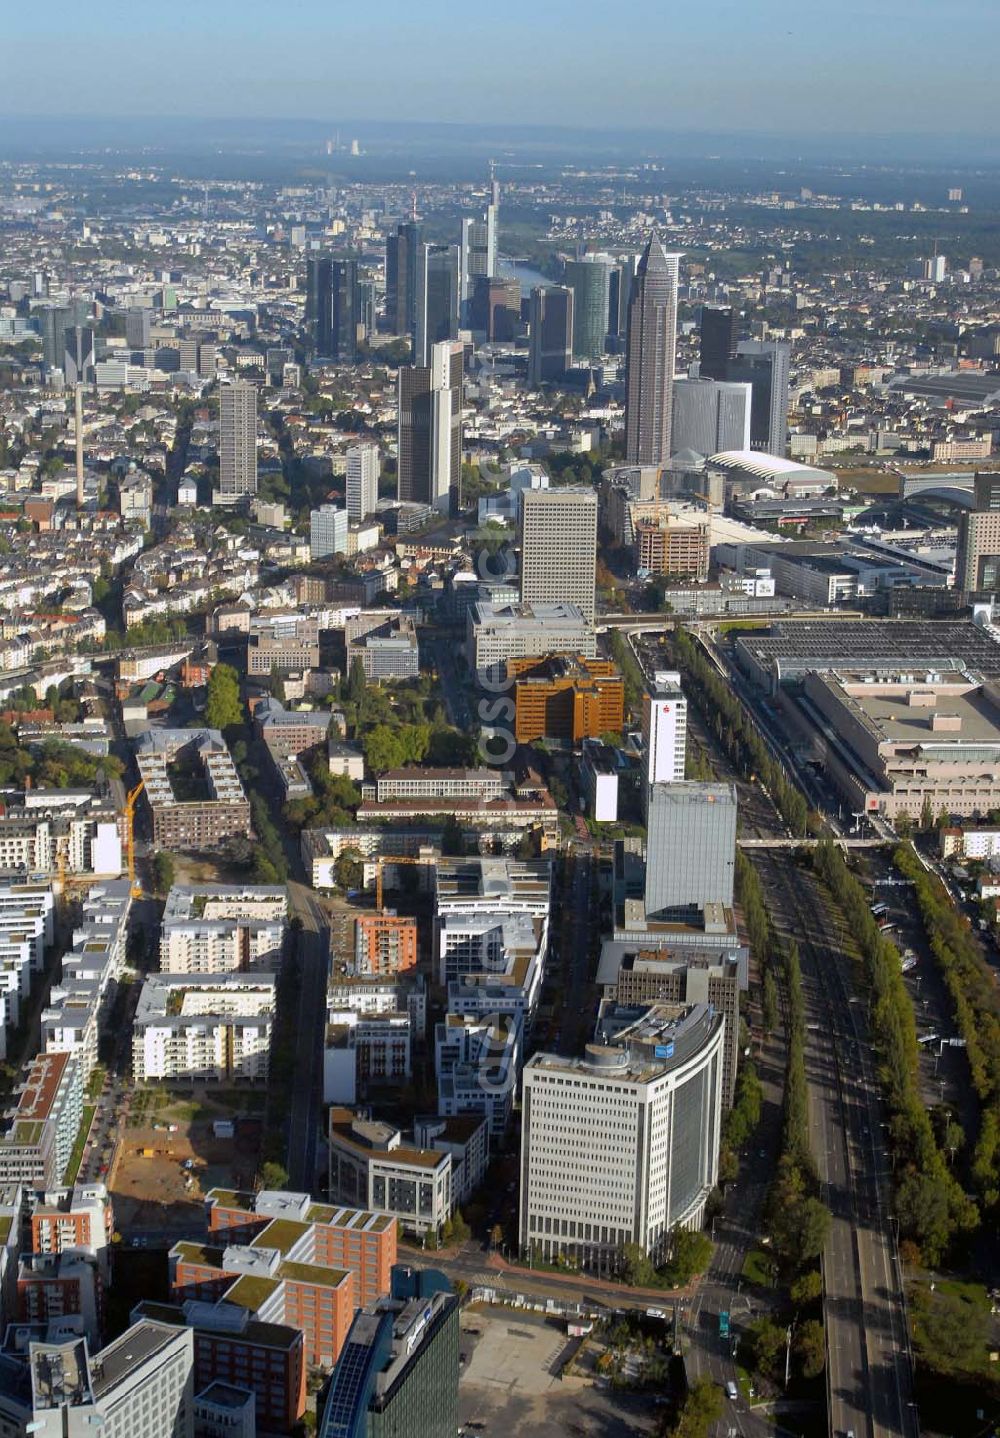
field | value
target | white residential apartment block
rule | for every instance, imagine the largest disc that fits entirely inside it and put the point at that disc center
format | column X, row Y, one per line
column 139, row 1386
column 42, row 830
column 365, row 1051
column 218, row 929
column 27, row 926
column 361, row 481
column 81, row 1000
column 622, row 1144
column 191, row 1026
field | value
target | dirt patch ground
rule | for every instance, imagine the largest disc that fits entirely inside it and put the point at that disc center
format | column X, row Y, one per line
column 153, row 1192
column 509, row 1382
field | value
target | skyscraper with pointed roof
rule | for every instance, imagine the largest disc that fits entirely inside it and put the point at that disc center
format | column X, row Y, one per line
column 651, row 348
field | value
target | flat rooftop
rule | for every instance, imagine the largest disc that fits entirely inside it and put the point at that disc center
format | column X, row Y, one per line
column 897, row 644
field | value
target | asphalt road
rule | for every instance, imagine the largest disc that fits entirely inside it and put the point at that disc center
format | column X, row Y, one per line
column 306, row 1100
column 868, row 1363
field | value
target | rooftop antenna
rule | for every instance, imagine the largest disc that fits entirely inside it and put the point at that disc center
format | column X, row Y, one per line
column 413, row 206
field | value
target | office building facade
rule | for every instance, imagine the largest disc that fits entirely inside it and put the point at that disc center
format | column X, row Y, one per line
column 550, row 324
column 559, row 547
column 664, row 730
column 430, row 430
column 621, row 1145
column 343, row 338
column 401, row 257
column 327, row 531
column 766, row 366
column 237, row 441
column 589, row 280
column 318, row 302
column 710, row 416
column 977, row 562
column 438, row 299
column 650, row 356
column 718, row 341
column 690, row 846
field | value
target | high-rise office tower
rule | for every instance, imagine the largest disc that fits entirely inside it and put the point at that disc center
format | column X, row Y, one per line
column 718, row 341
column 766, row 366
column 237, row 441
column 53, row 322
column 710, row 415
column 620, row 281
column 438, row 299
column 398, row 1370
column 402, row 251
column 79, row 357
column 664, row 729
column 477, row 252
column 366, row 309
column 495, row 308
column 559, row 546
column 138, row 324
column 690, row 846
column 430, row 430
column 622, row 1144
column 362, row 480
column 651, row 350
column 589, row 279
column 343, row 311
column 318, row 302
column 550, row 322
column 977, row 562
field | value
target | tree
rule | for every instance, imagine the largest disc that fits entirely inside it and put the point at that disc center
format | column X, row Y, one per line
column 273, row 1175
column 163, row 872
column 356, row 682
column 223, row 707
column 690, row 1253
column 638, row 1270
column 277, row 684
column 809, row 1346
column 807, row 1288
column 700, row 1411
column 769, row 1003
column 765, row 1344
column 348, row 869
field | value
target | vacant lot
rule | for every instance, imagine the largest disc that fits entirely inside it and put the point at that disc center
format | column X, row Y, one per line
column 153, row 1192
column 510, row 1383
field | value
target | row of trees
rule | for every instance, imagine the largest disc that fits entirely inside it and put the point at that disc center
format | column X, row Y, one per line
column 975, row 1007
column 723, row 714
column 932, row 1209
column 52, row 765
column 798, row 1222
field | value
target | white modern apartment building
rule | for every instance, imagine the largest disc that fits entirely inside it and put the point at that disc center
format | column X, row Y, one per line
column 141, row 1384
column 27, row 925
column 42, row 829
column 82, row 998
column 361, row 481
column 216, row 1028
column 218, row 929
column 477, row 1059
column 621, row 1145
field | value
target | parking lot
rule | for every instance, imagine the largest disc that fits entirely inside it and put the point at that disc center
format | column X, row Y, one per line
column 510, row 1385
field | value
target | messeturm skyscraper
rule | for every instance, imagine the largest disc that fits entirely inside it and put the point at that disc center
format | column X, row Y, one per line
column 651, row 349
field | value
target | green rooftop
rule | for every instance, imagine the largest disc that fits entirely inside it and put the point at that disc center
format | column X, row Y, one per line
column 313, row 1273
column 250, row 1292
column 280, row 1233
column 198, row 1253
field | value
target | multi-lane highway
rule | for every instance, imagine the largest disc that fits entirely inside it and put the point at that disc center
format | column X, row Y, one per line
column 306, row 1097
column 868, row 1354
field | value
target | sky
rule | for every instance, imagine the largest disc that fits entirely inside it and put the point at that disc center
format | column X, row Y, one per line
column 787, row 67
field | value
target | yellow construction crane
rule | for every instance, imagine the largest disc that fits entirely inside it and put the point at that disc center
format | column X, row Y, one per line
column 383, row 859
column 129, row 813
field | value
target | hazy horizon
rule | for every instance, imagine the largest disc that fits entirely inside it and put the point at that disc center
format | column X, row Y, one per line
column 901, row 72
